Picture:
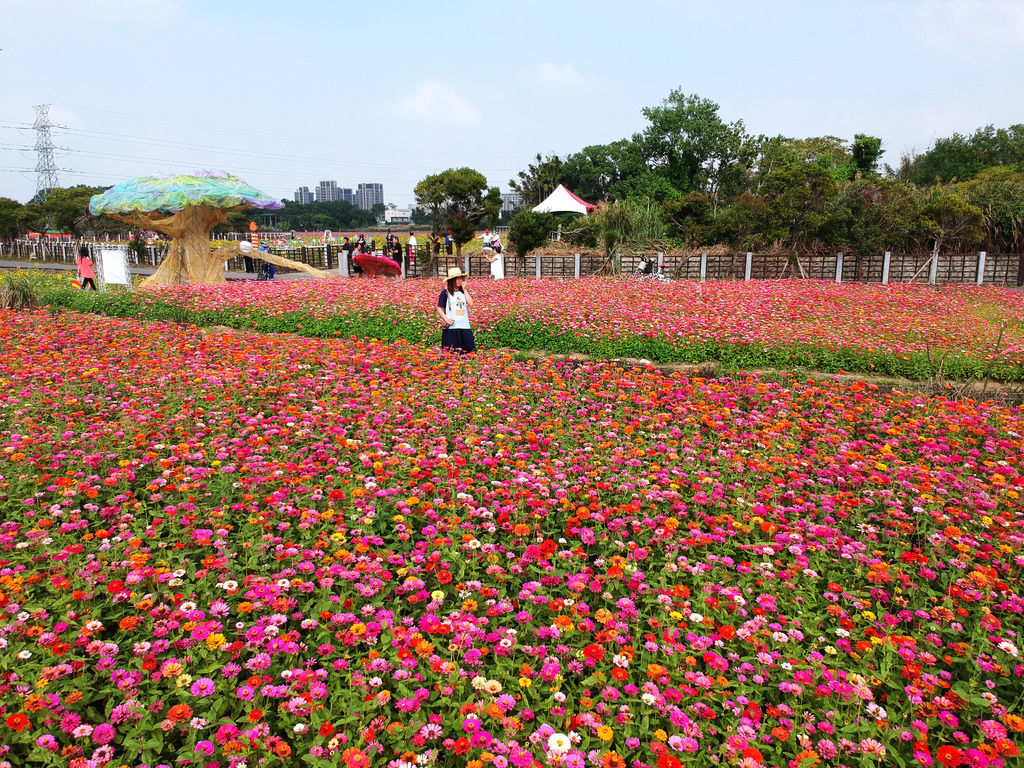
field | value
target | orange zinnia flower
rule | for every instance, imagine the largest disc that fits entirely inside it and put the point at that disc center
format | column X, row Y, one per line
column 179, row 713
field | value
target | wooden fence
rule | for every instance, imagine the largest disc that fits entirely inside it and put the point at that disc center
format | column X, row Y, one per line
column 1005, row 269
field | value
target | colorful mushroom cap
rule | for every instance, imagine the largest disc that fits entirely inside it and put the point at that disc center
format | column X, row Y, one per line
column 216, row 189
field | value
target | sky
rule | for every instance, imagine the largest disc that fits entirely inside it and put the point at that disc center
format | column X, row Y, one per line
column 287, row 94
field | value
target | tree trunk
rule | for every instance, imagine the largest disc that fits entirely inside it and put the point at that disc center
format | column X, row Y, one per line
column 190, row 259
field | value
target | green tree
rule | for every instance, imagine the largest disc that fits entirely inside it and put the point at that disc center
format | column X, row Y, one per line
column 873, row 215
column 538, row 180
column 829, row 153
column 237, row 221
column 627, row 225
column 960, row 157
column 67, row 210
column 430, row 194
column 688, row 219
column 866, row 151
column 689, row 144
column 604, row 171
column 462, row 198
column 321, row 221
column 343, row 216
column 950, row 218
column 999, row 193
column 529, row 231
column 796, row 196
column 9, row 218
column 30, row 217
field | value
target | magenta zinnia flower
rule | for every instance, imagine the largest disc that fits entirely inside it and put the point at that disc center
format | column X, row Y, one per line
column 204, row 686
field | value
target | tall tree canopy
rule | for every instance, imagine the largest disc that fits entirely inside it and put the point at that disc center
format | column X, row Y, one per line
column 961, row 158
column 461, row 198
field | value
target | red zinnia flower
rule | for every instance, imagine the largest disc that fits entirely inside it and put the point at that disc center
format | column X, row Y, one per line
column 18, row 722
column 949, row 756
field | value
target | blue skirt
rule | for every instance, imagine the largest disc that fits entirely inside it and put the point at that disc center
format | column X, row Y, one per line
column 458, row 339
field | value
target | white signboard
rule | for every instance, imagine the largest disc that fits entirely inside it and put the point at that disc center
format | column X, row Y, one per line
column 114, row 267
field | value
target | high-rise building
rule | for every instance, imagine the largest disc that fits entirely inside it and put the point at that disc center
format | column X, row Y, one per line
column 345, row 195
column 511, row 201
column 369, row 195
column 303, row 196
column 327, row 192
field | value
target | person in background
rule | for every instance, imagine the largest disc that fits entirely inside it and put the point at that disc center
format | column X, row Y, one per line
column 453, row 312
column 394, row 250
column 496, row 258
column 448, row 243
column 437, row 246
column 86, row 268
column 346, row 254
column 412, row 246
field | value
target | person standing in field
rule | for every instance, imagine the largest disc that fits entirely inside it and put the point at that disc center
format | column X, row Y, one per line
column 412, row 247
column 453, row 312
column 496, row 258
column 86, row 268
column 448, row 243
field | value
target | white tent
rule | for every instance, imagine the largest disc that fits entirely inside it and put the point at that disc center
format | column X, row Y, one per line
column 564, row 201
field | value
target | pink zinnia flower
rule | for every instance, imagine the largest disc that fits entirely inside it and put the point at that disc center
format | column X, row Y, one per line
column 203, row 687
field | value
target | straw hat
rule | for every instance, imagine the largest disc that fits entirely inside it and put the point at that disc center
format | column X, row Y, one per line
column 454, row 272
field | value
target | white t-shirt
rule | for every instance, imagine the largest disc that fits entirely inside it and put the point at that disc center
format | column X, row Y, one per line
column 498, row 266
column 412, row 242
column 458, row 310
column 487, row 239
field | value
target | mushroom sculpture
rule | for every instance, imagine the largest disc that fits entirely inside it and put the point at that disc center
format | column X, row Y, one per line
column 186, row 208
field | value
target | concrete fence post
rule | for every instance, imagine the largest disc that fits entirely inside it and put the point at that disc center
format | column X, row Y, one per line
column 839, row 267
column 466, row 267
column 981, row 267
column 537, row 265
column 885, row 267
column 933, row 270
column 704, row 266
column 746, row 271
column 576, row 265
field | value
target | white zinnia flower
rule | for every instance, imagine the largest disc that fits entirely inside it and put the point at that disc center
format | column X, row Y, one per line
column 558, row 743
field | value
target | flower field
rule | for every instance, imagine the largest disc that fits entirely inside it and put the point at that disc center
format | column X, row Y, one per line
column 219, row 549
column 958, row 332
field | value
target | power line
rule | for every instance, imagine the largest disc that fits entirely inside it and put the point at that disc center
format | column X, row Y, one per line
column 172, row 144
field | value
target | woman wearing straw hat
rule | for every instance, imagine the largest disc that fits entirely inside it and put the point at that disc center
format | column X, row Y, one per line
column 453, row 311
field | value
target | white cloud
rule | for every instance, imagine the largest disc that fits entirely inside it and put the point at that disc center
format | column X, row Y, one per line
column 437, row 100
column 560, row 75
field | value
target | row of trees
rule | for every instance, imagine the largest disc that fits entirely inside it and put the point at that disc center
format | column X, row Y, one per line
column 335, row 216
column 63, row 210
column 713, row 183
column 67, row 210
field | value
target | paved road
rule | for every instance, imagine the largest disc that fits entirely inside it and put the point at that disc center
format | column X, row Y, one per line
column 60, row 266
